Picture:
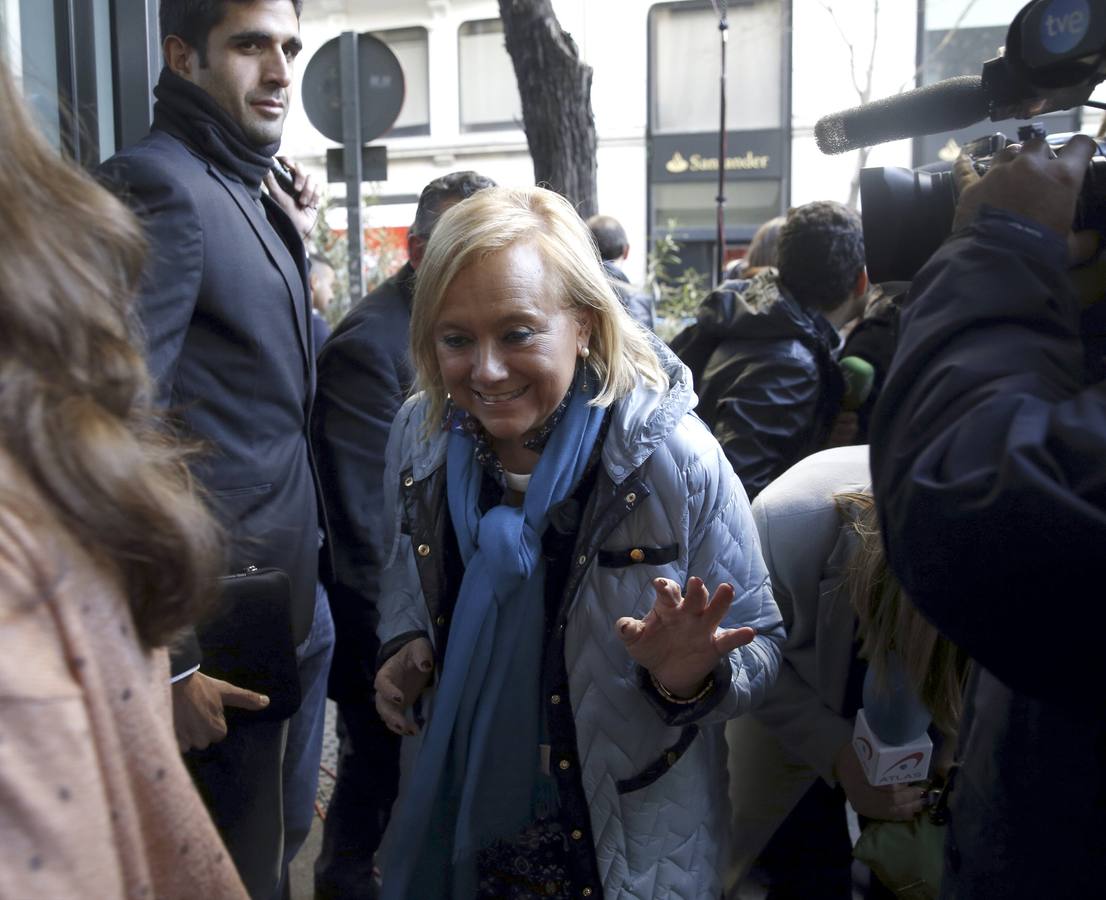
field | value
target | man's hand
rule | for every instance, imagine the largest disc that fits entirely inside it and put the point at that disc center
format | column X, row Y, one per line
column 198, row 703
column 1029, row 180
column 679, row 641
column 891, row 802
column 303, row 210
column 400, row 681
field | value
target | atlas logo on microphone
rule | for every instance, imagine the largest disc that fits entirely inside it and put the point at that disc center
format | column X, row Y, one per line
column 1064, row 25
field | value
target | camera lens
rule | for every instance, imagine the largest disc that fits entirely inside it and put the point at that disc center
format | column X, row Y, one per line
column 907, row 214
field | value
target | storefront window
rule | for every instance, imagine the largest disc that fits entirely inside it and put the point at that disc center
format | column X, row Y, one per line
column 686, row 61
column 692, row 206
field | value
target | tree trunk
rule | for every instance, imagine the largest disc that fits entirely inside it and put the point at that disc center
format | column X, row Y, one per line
column 555, row 87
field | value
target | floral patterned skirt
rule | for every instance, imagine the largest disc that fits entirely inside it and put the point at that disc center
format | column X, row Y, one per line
column 532, row 865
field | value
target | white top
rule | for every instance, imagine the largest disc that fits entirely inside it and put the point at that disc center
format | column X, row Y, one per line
column 517, row 482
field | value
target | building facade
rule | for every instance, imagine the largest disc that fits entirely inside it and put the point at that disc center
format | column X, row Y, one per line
column 87, row 67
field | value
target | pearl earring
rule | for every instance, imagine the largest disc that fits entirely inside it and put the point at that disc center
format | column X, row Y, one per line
column 584, row 353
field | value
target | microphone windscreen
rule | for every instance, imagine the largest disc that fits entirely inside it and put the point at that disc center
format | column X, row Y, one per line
column 859, row 380
column 944, row 106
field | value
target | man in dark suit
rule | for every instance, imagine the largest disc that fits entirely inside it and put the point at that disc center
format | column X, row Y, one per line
column 364, row 377
column 226, row 315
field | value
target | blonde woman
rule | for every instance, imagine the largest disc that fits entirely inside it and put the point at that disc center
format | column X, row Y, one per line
column 575, row 601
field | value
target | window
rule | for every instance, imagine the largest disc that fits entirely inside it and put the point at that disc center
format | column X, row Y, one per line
column 691, row 205
column 84, row 69
column 489, row 89
column 410, row 47
column 31, row 33
column 685, row 51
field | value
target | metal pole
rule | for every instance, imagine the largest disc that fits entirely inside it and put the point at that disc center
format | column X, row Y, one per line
column 720, row 258
column 351, row 137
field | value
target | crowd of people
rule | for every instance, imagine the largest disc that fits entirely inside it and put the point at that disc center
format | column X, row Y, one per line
column 600, row 615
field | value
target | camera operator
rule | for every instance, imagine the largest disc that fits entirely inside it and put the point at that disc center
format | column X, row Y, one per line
column 989, row 466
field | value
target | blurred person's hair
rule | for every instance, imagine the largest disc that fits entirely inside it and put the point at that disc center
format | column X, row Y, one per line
column 610, row 237
column 936, row 667
column 821, row 254
column 192, row 20
column 440, row 194
column 764, row 248
column 76, row 414
column 497, row 218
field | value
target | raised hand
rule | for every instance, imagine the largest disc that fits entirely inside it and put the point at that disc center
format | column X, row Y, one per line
column 399, row 682
column 679, row 641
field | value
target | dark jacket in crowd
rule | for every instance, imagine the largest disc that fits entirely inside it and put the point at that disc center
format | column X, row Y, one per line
column 365, row 375
column 989, row 467
column 227, row 319
column 320, row 331
column 639, row 305
column 873, row 340
column 765, row 371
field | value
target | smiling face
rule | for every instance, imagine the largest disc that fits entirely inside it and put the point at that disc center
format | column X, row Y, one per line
column 507, row 345
column 249, row 65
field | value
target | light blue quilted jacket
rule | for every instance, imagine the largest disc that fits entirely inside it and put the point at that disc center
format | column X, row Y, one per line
column 667, row 839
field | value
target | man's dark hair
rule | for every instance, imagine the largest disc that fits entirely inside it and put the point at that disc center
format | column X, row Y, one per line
column 609, row 236
column 821, row 254
column 443, row 192
column 192, row 20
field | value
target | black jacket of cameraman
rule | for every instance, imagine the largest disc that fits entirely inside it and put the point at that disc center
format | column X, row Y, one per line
column 765, row 371
column 989, row 467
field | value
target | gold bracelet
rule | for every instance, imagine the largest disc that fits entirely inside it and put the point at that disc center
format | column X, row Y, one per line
column 682, row 701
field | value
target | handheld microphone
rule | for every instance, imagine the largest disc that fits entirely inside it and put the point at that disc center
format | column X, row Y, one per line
column 890, row 737
column 944, row 106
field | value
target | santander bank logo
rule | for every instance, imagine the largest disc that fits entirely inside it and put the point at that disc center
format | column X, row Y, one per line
column 1064, row 25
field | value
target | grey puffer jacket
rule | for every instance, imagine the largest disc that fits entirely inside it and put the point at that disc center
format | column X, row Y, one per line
column 665, row 503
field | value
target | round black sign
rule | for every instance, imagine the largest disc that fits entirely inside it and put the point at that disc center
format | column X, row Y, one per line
column 382, row 88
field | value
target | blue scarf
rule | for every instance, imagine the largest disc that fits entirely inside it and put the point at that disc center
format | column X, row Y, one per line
column 476, row 774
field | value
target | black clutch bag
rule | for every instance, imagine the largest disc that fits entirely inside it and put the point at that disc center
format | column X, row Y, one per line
column 249, row 643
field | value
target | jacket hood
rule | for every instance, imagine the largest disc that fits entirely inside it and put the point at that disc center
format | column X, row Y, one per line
column 758, row 309
column 640, row 421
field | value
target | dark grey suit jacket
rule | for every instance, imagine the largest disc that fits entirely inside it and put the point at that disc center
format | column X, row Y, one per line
column 227, row 325
column 364, row 376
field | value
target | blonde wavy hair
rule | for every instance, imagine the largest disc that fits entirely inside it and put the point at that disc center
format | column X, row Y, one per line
column 936, row 667
column 76, row 412
column 497, row 218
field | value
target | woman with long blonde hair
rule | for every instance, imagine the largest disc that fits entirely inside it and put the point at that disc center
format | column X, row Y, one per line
column 793, row 765
column 105, row 554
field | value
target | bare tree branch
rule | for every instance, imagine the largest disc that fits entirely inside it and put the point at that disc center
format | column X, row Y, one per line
column 828, row 7
column 929, row 57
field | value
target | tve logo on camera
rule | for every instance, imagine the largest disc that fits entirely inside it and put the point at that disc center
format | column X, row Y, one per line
column 1064, row 24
